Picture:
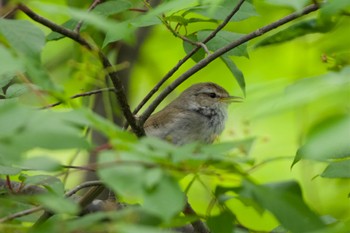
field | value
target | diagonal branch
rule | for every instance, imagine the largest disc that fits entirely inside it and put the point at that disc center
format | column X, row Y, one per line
column 112, row 74
column 204, row 62
column 188, row 56
column 112, row 89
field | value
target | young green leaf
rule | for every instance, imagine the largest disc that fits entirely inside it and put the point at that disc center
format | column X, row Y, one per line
column 236, row 72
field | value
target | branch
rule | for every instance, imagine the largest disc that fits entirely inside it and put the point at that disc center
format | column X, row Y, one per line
column 204, row 62
column 112, row 74
column 81, row 95
column 38, row 208
column 188, row 56
column 198, row 225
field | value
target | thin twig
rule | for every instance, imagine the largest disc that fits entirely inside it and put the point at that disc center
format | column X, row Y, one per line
column 81, row 95
column 204, row 62
column 86, row 184
column 21, row 214
column 188, row 56
column 80, row 23
column 121, row 97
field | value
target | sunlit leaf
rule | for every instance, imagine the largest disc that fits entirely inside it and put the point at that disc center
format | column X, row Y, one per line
column 297, row 30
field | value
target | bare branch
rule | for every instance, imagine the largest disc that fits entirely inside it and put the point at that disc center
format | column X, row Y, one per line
column 198, row 225
column 21, row 214
column 94, row 92
column 188, row 56
column 204, row 62
column 121, row 97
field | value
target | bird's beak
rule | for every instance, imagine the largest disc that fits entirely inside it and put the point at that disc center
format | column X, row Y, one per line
column 232, row 99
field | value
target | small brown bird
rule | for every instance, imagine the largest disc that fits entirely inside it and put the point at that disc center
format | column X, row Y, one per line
column 198, row 114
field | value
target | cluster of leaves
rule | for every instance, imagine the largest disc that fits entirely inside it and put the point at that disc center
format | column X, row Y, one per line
column 148, row 171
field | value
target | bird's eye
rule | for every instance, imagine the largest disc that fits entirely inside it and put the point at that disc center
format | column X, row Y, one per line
column 212, row 95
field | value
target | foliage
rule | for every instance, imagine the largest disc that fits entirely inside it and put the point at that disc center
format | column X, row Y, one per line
column 235, row 185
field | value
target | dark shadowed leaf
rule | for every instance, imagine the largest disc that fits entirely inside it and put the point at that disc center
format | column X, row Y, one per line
column 222, row 223
column 200, row 54
column 285, row 202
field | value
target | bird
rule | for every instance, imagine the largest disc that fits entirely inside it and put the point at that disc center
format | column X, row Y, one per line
column 198, row 114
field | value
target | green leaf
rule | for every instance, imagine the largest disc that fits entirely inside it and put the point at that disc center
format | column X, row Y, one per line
column 221, row 10
column 24, row 129
column 296, row 4
column 340, row 169
column 285, row 202
column 51, row 183
column 199, row 55
column 332, row 10
column 166, row 199
column 112, row 7
column 222, row 223
column 327, row 140
column 124, row 178
column 23, row 36
column 237, row 73
column 222, row 39
column 44, row 163
column 58, row 204
column 16, row 90
column 9, row 66
column 297, row 30
column 4, row 170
